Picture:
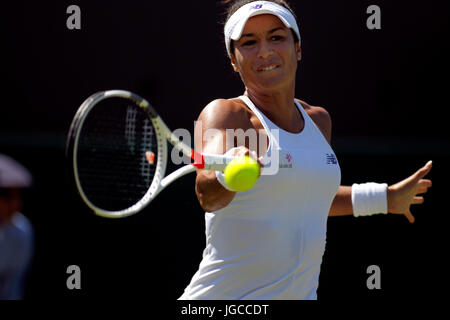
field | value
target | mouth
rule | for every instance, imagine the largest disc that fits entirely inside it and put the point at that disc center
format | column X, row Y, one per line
column 267, row 68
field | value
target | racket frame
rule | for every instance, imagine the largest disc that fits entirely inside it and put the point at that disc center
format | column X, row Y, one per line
column 162, row 133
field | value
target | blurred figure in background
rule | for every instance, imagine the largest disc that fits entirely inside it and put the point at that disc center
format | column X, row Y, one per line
column 16, row 232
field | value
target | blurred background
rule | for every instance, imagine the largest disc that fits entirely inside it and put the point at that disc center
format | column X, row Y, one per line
column 386, row 91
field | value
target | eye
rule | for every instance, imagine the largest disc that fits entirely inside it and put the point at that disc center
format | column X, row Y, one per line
column 277, row 38
column 248, row 43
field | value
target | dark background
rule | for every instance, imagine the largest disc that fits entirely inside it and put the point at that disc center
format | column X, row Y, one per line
column 386, row 91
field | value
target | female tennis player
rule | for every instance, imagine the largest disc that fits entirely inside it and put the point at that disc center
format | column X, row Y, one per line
column 268, row 242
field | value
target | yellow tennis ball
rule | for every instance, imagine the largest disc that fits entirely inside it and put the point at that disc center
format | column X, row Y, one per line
column 241, row 173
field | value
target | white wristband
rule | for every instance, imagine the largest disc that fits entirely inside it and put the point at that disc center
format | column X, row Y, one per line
column 369, row 198
column 221, row 176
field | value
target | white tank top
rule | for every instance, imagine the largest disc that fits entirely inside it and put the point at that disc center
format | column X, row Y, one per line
column 269, row 241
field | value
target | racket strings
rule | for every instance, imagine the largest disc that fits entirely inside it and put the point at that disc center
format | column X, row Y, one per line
column 148, row 138
column 113, row 169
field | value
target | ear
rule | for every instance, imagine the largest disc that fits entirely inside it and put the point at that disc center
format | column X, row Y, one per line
column 298, row 49
column 233, row 63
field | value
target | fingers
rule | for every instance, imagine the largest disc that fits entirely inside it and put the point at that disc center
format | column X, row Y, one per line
column 420, row 186
column 239, row 151
column 410, row 217
column 422, row 190
column 423, row 185
column 422, row 172
column 243, row 151
column 253, row 155
column 260, row 161
column 418, row 200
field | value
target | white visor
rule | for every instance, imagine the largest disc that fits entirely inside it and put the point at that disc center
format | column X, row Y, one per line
column 235, row 25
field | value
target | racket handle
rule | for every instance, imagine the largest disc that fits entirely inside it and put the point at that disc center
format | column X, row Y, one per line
column 216, row 162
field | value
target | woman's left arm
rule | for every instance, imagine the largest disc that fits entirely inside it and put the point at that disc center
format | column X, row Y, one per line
column 400, row 196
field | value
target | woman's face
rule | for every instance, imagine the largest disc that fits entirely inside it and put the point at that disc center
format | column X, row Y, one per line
column 266, row 55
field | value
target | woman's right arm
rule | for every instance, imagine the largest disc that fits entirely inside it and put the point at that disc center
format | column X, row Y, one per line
column 210, row 137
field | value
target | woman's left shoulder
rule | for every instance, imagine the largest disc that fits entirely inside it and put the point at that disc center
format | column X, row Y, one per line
column 320, row 116
column 315, row 111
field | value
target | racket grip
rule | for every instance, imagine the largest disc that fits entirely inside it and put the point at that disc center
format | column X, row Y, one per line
column 216, row 162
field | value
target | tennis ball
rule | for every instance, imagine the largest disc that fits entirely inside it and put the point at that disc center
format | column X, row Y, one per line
column 241, row 173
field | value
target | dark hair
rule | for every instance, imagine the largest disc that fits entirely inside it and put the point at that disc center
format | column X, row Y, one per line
column 234, row 6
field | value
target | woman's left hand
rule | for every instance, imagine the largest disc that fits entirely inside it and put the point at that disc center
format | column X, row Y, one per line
column 403, row 194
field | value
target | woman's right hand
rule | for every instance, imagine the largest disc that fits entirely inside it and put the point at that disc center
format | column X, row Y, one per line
column 242, row 151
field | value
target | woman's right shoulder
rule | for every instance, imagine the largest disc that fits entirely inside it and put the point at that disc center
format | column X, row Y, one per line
column 224, row 113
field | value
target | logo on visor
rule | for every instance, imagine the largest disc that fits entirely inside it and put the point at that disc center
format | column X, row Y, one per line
column 256, row 6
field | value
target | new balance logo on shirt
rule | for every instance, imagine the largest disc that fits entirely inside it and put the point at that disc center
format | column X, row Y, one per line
column 331, row 158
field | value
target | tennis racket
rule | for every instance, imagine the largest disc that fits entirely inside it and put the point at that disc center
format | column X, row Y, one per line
column 118, row 152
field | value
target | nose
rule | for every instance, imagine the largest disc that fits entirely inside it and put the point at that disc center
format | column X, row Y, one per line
column 265, row 50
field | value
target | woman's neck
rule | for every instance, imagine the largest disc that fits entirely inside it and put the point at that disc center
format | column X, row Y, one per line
column 279, row 107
